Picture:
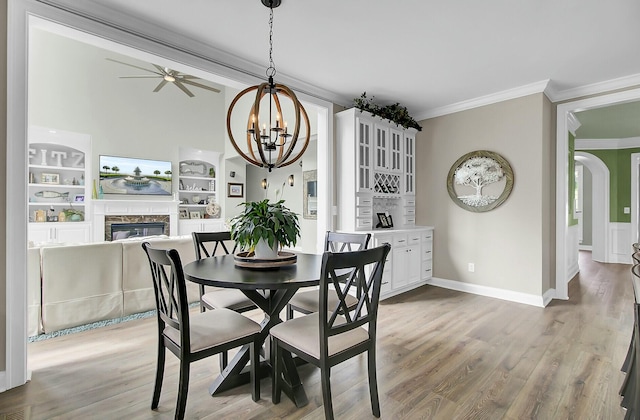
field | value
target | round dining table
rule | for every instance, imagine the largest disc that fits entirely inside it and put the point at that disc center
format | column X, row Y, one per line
column 270, row 289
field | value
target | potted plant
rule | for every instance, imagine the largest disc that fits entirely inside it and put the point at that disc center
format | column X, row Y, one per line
column 265, row 226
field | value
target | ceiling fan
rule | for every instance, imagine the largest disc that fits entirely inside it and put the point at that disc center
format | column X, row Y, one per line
column 168, row 76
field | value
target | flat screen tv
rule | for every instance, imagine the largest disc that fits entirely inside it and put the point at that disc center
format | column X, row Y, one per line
column 132, row 176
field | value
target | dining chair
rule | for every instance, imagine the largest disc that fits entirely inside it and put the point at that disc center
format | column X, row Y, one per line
column 630, row 389
column 307, row 301
column 630, row 351
column 208, row 244
column 334, row 333
column 192, row 337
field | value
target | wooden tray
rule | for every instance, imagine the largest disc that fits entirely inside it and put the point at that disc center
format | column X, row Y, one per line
column 248, row 260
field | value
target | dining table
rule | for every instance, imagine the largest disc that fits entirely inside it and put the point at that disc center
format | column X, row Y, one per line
column 270, row 289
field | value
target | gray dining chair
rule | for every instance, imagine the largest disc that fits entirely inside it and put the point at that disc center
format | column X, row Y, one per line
column 307, row 301
column 335, row 334
column 192, row 337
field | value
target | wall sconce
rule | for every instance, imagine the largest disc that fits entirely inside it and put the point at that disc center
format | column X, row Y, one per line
column 232, row 174
column 264, row 183
column 291, row 180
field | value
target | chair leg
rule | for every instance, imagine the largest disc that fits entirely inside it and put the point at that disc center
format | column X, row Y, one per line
column 224, row 360
column 325, row 379
column 289, row 312
column 159, row 374
column 276, row 371
column 255, row 377
column 373, row 381
column 183, row 389
column 630, row 353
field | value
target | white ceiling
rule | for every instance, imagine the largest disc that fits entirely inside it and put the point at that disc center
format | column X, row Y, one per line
column 424, row 54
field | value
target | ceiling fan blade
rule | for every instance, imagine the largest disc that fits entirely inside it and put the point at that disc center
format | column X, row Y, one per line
column 160, row 85
column 163, row 70
column 132, row 65
column 141, row 77
column 183, row 88
column 200, row 85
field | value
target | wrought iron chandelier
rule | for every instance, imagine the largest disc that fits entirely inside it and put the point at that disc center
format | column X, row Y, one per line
column 273, row 145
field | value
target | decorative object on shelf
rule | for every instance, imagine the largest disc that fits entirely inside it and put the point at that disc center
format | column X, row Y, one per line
column 168, row 75
column 62, row 217
column 73, row 215
column 78, row 198
column 212, row 185
column 94, row 190
column 396, row 113
column 270, row 223
column 43, row 157
column 384, row 221
column 477, row 171
column 213, row 208
column 195, row 215
column 79, row 160
column 32, row 178
column 235, row 190
column 58, row 156
column 40, row 216
column 184, row 214
column 195, row 199
column 212, row 172
column 51, row 196
column 50, row 178
column 100, row 192
column 275, row 144
column 197, row 168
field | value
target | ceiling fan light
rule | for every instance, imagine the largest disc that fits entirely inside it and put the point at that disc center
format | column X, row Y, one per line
column 169, row 78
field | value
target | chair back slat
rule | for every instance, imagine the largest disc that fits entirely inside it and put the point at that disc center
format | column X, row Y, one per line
column 635, row 278
column 208, row 244
column 346, row 242
column 365, row 269
column 636, row 257
column 170, row 290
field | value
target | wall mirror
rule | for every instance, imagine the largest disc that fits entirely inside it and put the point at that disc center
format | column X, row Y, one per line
column 310, row 195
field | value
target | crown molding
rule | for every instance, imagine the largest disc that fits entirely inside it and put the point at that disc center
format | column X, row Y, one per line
column 573, row 123
column 493, row 98
column 595, row 88
column 607, row 144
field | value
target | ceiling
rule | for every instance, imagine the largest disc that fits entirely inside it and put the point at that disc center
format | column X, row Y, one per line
column 424, row 54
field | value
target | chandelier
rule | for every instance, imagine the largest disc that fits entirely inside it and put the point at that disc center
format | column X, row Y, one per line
column 272, row 144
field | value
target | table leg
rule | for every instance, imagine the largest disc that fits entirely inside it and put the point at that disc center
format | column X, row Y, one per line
column 235, row 373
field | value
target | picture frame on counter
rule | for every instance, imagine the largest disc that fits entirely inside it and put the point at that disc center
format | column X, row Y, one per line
column 184, row 214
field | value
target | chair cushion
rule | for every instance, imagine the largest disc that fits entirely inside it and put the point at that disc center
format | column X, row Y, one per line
column 227, row 298
column 309, row 301
column 304, row 333
column 212, row 328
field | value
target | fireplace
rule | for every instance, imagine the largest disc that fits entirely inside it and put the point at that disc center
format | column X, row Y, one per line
column 131, row 226
column 136, row 230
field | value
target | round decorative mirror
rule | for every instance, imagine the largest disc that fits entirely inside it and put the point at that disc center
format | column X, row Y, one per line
column 480, row 181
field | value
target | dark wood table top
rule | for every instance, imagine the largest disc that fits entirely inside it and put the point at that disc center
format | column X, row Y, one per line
column 221, row 271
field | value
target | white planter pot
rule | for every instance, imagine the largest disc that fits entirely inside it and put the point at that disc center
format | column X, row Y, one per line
column 264, row 252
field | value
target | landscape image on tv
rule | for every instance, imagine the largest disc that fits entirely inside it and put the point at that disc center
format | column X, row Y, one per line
column 121, row 175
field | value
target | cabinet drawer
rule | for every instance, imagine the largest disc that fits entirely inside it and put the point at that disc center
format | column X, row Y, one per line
column 364, row 201
column 413, row 238
column 363, row 223
column 363, row 211
column 409, row 220
column 427, row 236
column 399, row 240
column 409, row 211
column 427, row 271
column 409, row 202
column 427, row 251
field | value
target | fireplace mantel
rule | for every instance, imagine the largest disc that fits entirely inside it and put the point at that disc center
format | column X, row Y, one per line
column 102, row 208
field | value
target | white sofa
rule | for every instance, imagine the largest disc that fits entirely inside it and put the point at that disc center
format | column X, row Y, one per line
column 76, row 284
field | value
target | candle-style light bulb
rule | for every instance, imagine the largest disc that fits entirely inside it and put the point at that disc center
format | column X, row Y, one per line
column 264, row 129
column 278, row 120
column 285, row 127
column 253, row 121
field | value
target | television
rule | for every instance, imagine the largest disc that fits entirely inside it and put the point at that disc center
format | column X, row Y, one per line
column 132, row 176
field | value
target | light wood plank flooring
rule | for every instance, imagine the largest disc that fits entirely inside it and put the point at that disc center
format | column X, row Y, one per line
column 442, row 355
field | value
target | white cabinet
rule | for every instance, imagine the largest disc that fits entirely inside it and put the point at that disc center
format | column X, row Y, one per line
column 198, row 185
column 185, row 227
column 68, row 232
column 409, row 264
column 59, row 191
column 375, row 166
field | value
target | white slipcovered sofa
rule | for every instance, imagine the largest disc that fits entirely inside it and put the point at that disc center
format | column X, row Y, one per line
column 76, row 284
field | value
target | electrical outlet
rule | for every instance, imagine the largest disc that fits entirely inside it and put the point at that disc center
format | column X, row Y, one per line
column 472, row 267
column 627, row 210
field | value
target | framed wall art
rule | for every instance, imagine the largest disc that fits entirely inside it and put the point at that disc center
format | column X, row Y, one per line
column 480, row 181
column 235, row 190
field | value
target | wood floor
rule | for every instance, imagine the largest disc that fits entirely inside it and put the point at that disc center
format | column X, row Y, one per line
column 441, row 355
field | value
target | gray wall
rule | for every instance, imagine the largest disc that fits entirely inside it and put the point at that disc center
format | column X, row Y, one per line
column 511, row 246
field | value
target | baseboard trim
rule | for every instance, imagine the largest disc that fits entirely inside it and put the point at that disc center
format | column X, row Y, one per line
column 511, row 296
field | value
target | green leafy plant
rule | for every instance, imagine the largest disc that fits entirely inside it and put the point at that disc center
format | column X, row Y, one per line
column 396, row 113
column 271, row 221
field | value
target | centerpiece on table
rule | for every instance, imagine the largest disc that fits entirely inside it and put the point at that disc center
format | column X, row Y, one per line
column 263, row 228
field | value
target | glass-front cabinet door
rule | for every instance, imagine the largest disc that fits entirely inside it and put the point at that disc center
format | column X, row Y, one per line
column 364, row 156
column 409, row 163
column 395, row 151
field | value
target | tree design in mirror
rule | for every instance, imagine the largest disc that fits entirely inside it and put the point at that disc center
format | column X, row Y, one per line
column 310, row 192
column 480, row 181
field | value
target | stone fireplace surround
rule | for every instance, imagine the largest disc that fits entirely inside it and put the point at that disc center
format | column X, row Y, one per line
column 106, row 212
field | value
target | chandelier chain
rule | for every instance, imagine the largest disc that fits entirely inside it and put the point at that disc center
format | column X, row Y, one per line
column 271, row 70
